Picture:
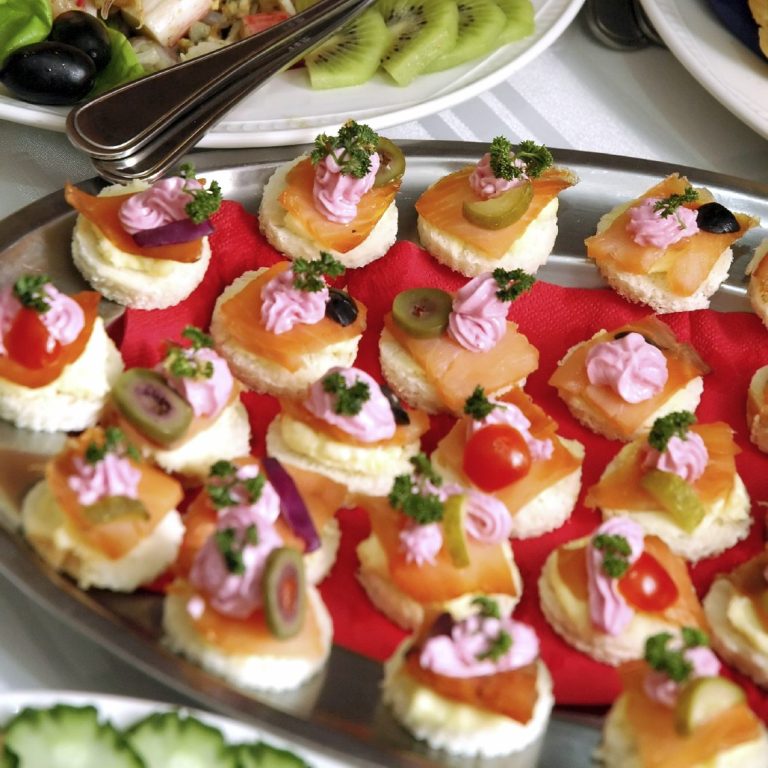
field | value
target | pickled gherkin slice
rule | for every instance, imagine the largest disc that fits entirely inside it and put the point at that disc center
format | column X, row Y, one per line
column 500, row 211
column 454, row 515
column 703, row 699
column 676, row 497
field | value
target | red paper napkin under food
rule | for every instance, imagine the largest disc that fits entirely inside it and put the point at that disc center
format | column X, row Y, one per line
column 553, row 318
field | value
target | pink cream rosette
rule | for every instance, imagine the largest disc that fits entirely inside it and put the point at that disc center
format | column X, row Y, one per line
column 421, row 543
column 111, row 476
column 486, row 185
column 664, row 690
column 685, row 457
column 338, row 194
column 64, row 318
column 478, row 320
column 284, row 306
column 649, row 228
column 165, row 201
column 207, row 395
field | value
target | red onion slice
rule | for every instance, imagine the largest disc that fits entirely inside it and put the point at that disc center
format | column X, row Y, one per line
column 183, row 231
column 291, row 504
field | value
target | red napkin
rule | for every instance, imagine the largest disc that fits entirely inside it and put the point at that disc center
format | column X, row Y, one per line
column 553, row 318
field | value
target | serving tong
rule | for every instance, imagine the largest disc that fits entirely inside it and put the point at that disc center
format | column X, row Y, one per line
column 138, row 130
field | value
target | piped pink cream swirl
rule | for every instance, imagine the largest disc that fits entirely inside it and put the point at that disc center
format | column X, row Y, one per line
column 664, row 690
column 235, row 594
column 512, row 416
column 111, row 476
column 338, row 194
column 457, row 654
column 165, row 201
column 9, row 308
column 421, row 543
column 207, row 396
column 608, row 609
column 478, row 319
column 630, row 366
column 64, row 318
column 486, row 185
column 487, row 520
column 649, row 228
column 685, row 457
column 374, row 422
column 266, row 507
column 284, row 306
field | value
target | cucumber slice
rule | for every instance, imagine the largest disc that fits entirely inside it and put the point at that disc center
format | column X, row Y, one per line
column 500, row 211
column 170, row 739
column 66, row 736
column 676, row 497
column 454, row 515
column 263, row 755
column 703, row 699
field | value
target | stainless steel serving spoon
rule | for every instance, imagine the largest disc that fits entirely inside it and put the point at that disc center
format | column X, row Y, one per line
column 138, row 130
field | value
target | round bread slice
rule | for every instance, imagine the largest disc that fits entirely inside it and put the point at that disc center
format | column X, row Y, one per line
column 757, row 290
column 757, row 409
column 285, row 235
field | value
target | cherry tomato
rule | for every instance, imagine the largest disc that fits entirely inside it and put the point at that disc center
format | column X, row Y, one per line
column 647, row 586
column 27, row 341
column 495, row 456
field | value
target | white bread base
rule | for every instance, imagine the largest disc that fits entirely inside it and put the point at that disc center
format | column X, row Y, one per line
column 729, row 642
column 757, row 413
column 75, row 400
column 618, row 748
column 547, row 511
column 406, row 612
column 408, row 379
column 260, row 672
column 318, row 564
column 284, row 233
column 460, row 728
column 266, row 376
column 569, row 617
column 43, row 524
column 757, row 290
column 529, row 252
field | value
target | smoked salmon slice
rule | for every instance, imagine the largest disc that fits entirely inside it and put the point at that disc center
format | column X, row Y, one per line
column 441, row 206
column 103, row 212
column 241, row 315
column 298, row 202
column 455, row 371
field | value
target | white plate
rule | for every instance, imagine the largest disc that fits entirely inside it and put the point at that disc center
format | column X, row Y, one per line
column 122, row 712
column 287, row 111
column 734, row 75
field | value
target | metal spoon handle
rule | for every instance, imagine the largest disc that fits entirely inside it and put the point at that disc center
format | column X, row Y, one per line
column 120, row 122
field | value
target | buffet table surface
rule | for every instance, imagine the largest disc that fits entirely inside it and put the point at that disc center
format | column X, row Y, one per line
column 577, row 94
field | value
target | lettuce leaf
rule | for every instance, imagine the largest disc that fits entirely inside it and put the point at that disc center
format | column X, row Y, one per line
column 122, row 68
column 23, row 22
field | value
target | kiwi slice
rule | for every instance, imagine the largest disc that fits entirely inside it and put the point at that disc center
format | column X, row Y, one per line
column 113, row 508
column 454, row 514
column 420, row 30
column 284, row 590
column 422, row 312
column 350, row 56
column 676, row 497
column 703, row 699
column 520, row 21
column 392, row 165
column 500, row 211
column 150, row 405
column 479, row 24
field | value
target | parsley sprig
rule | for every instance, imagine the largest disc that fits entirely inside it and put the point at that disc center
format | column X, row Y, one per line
column 488, row 608
column 669, row 205
column 232, row 550
column 30, row 291
column 675, row 423
column 204, row 202
column 308, row 275
column 223, row 480
column 116, row 442
column 497, row 647
column 512, row 283
column 178, row 361
column 616, row 552
column 356, row 142
column 349, row 399
column 533, row 159
column 672, row 661
column 477, row 405
column 407, row 495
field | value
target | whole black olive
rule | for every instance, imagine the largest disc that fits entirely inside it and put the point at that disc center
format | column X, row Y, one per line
column 401, row 415
column 716, row 218
column 341, row 308
column 48, row 73
column 85, row 32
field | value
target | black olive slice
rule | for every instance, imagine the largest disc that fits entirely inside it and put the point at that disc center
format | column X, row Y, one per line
column 716, row 218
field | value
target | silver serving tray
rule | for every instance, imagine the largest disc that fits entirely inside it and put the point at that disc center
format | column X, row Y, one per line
column 338, row 713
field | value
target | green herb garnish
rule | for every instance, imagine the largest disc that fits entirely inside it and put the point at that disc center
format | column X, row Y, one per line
column 232, row 550
column 672, row 661
column 531, row 159
column 308, row 275
column 114, row 442
column 179, row 362
column 349, row 399
column 669, row 205
column 477, row 405
column 352, row 148
column 204, row 202
column 225, row 479
column 30, row 291
column 422, row 467
column 497, row 648
column 488, row 607
column 616, row 552
column 512, row 283
column 665, row 428
column 407, row 496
